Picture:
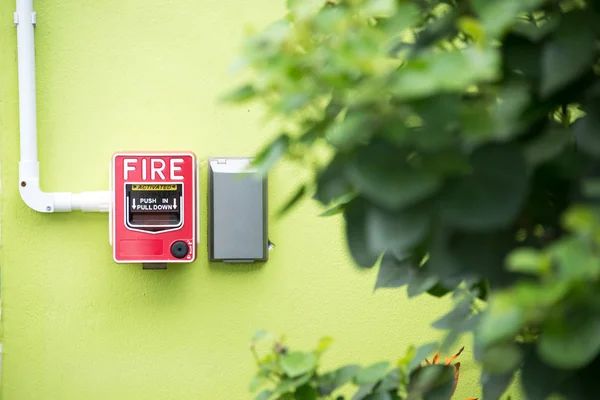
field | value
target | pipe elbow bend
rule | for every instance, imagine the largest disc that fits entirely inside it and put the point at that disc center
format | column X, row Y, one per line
column 41, row 201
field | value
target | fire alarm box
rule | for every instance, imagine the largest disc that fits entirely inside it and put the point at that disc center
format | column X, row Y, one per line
column 154, row 207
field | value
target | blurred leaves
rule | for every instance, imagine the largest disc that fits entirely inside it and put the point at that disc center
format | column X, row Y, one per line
column 570, row 52
column 285, row 375
column 490, row 197
column 355, row 215
column 497, row 15
column 297, row 363
column 547, row 146
column 432, row 382
column 384, row 177
column 372, row 373
column 571, row 341
column 271, row 154
column 240, row 94
column 460, row 140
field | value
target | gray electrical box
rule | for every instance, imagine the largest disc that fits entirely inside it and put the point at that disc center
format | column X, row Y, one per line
column 237, row 212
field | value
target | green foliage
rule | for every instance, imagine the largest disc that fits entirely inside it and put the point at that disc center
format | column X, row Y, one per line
column 286, row 375
column 463, row 150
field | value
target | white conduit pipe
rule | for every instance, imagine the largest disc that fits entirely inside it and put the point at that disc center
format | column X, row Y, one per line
column 29, row 167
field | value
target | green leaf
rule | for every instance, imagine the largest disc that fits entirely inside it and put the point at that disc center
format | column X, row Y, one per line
column 473, row 28
column 345, row 374
column 290, row 385
column 440, row 116
column 494, row 385
column 477, row 122
column 264, row 395
column 535, row 32
column 355, row 129
column 261, row 335
column 587, row 134
column 522, row 54
column 533, row 298
column 292, row 201
column 490, row 197
column 575, row 259
column 446, row 71
column 422, row 352
column 240, row 95
column 528, row 260
column 501, row 321
column 356, row 233
column 571, row 53
column 508, row 112
column 293, row 102
column 307, row 392
column 297, row 363
column 396, row 231
column 571, row 341
column 446, row 163
column 403, row 362
column 363, row 392
column 335, row 210
column 405, row 17
column 390, row 382
column 591, row 187
column 303, row 9
column 336, row 379
column 332, row 182
column 432, row 382
column 442, row 263
column 372, row 374
column 547, row 146
column 330, row 20
column 381, row 173
column 482, row 255
column 271, row 154
column 581, row 219
column 498, row 15
column 268, row 43
column 378, row 396
column 394, row 273
column 438, row 290
column 379, row 8
column 324, row 344
column 258, row 381
column 459, row 69
column 501, row 358
column 442, row 27
column 539, row 380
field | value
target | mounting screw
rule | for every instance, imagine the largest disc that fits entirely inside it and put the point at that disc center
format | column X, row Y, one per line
column 23, row 183
column 48, row 208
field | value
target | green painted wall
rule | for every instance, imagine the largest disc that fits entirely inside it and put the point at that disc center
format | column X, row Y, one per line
column 119, row 75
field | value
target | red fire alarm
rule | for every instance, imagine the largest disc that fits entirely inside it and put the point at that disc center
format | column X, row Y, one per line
column 154, row 208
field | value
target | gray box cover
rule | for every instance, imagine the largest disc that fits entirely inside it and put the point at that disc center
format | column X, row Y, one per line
column 237, row 211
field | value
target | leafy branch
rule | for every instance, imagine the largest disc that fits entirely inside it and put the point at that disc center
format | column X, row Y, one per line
column 460, row 141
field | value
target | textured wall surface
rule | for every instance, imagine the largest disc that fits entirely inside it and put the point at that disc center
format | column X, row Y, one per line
column 118, row 75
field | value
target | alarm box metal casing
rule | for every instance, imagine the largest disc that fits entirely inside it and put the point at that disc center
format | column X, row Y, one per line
column 154, row 212
column 237, row 211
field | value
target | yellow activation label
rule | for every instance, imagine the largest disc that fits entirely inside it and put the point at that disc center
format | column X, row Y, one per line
column 154, row 187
